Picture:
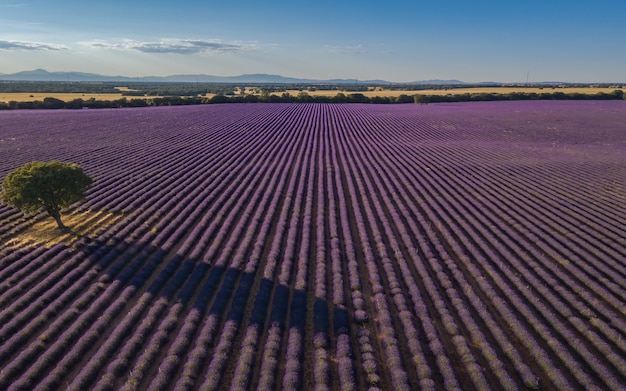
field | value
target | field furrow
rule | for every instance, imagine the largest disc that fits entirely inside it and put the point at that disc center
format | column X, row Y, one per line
column 466, row 246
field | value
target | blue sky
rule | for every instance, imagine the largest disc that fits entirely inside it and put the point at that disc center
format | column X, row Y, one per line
column 473, row 41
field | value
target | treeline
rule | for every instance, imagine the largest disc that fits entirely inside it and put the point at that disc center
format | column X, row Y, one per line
column 302, row 97
column 485, row 96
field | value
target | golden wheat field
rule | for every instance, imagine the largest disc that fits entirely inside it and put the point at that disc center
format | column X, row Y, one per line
column 66, row 97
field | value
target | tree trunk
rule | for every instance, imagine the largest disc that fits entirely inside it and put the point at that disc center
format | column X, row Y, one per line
column 57, row 217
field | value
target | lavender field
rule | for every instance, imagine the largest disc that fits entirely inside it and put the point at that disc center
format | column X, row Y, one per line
column 468, row 246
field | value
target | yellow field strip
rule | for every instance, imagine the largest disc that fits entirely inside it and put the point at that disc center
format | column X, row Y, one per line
column 66, row 97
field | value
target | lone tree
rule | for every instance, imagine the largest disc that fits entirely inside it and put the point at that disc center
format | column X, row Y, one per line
column 45, row 185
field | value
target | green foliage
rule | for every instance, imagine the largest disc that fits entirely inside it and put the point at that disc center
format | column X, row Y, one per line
column 53, row 103
column 45, row 185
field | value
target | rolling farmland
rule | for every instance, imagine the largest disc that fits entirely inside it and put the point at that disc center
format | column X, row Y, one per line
column 330, row 247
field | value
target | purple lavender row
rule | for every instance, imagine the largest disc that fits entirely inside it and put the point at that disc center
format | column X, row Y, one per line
column 574, row 286
column 343, row 350
column 148, row 357
column 321, row 322
column 440, row 225
column 241, row 376
column 221, row 181
column 585, row 242
column 18, row 277
column 12, row 221
column 116, row 368
column 382, row 314
column 196, row 355
column 576, row 273
column 474, row 329
column 496, row 364
column 126, row 275
column 560, row 307
column 86, row 375
column 68, row 294
column 529, row 379
column 231, row 327
column 475, row 372
column 155, row 163
column 161, row 200
column 582, row 308
column 397, row 373
column 90, row 337
column 293, row 375
column 369, row 364
column 14, row 317
column 606, row 349
column 615, row 338
column 158, row 164
column 202, row 235
column 601, row 225
column 14, row 259
column 279, row 306
column 7, row 213
column 67, row 338
column 405, row 316
column 160, row 338
column 601, row 211
column 507, row 294
column 545, row 169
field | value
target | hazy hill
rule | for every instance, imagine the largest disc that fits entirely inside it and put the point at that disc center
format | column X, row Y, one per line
column 44, row 75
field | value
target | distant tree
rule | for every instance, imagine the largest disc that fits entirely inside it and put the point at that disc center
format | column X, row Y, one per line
column 403, row 98
column 274, row 99
column 251, row 98
column 618, row 94
column 45, row 185
column 219, row 99
column 340, row 98
column 304, row 97
column 380, row 100
column 53, row 103
column 357, row 98
column 288, row 98
column 264, row 96
column 422, row 99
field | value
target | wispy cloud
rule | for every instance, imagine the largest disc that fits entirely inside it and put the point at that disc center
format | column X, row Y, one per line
column 20, row 45
column 360, row 49
column 176, row 46
column 13, row 5
column 356, row 49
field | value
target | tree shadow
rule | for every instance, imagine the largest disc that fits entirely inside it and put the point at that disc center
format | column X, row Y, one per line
column 232, row 295
column 229, row 295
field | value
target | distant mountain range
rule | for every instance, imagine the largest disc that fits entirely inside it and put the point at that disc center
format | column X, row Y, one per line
column 43, row 75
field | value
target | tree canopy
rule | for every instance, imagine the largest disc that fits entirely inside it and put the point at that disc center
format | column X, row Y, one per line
column 50, row 186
